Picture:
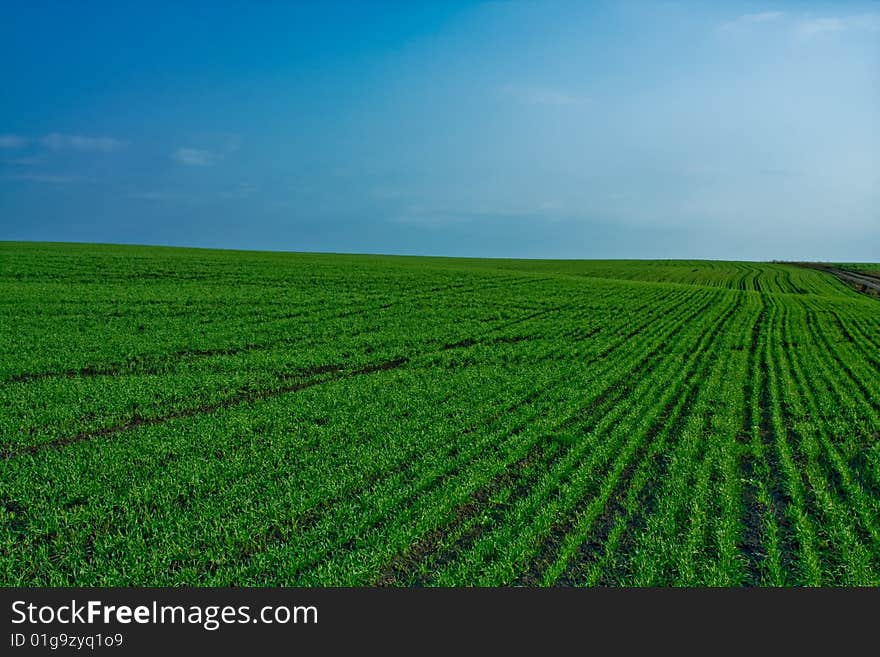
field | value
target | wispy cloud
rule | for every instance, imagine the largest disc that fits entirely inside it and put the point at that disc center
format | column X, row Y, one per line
column 12, row 141
column 163, row 196
column 550, row 210
column 193, row 157
column 813, row 27
column 231, row 142
column 810, row 27
column 57, row 141
column 760, row 17
column 213, row 148
column 239, row 192
column 43, row 178
column 234, row 193
column 24, row 161
column 747, row 20
column 529, row 95
column 805, row 26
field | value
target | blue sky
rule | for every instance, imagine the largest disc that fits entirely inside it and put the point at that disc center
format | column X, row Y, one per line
column 733, row 130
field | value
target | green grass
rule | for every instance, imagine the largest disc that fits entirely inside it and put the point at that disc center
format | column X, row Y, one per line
column 872, row 269
column 180, row 416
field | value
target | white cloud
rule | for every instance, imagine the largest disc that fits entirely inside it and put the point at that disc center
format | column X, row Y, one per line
column 544, row 96
column 231, row 142
column 193, row 157
column 43, row 178
column 12, row 141
column 761, row 17
column 24, row 161
column 747, row 20
column 220, row 146
column 57, row 141
column 235, row 193
column 806, row 26
column 870, row 22
column 162, row 196
column 549, row 210
column 810, row 27
column 240, row 192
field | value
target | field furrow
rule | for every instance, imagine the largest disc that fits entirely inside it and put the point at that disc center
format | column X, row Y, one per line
column 203, row 418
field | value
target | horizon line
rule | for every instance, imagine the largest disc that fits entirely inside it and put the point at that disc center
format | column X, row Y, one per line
column 397, row 255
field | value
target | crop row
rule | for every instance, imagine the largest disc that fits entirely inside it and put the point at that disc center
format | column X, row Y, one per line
column 304, row 419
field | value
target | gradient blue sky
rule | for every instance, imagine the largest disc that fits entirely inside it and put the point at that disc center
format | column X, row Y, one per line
column 732, row 130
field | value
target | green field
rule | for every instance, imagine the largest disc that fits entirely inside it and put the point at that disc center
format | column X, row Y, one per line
column 175, row 417
column 863, row 268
